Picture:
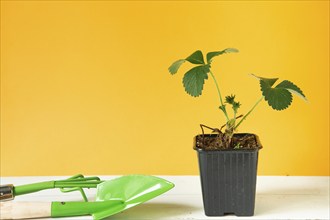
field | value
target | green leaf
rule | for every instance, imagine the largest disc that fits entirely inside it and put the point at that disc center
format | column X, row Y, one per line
column 230, row 99
column 193, row 80
column 236, row 106
column 210, row 55
column 277, row 98
column 196, row 58
column 269, row 81
column 238, row 146
column 286, row 84
column 222, row 108
column 173, row 69
column 231, row 50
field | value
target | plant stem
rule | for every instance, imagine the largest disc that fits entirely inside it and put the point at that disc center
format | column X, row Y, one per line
column 255, row 105
column 235, row 116
column 219, row 93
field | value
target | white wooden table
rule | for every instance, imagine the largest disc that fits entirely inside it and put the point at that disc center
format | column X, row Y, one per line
column 278, row 197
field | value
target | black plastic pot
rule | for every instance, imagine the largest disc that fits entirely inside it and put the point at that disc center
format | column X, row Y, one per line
column 228, row 179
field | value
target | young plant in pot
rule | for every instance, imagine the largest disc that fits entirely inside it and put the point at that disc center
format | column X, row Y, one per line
column 228, row 160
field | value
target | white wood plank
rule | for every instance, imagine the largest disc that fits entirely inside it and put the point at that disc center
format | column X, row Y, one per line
column 278, row 197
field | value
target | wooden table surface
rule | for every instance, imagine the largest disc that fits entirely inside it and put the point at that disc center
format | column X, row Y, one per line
column 277, row 197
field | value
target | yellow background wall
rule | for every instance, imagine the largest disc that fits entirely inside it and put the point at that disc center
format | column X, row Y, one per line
column 85, row 86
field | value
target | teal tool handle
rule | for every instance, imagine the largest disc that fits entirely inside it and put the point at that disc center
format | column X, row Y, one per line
column 34, row 187
column 67, row 209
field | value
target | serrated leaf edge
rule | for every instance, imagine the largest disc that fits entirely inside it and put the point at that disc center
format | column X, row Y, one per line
column 296, row 91
column 185, row 89
column 267, row 98
column 184, row 85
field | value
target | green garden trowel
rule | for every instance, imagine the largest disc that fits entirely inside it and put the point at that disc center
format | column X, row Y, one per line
column 112, row 196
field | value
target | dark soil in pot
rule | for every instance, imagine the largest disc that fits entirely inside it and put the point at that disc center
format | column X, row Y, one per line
column 238, row 141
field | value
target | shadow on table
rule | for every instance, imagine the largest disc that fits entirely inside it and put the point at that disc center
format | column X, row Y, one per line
column 155, row 211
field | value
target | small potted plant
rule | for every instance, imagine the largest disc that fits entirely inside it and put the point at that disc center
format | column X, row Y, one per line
column 228, row 160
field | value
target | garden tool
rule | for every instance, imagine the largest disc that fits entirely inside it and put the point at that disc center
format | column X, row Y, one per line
column 74, row 183
column 112, row 197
